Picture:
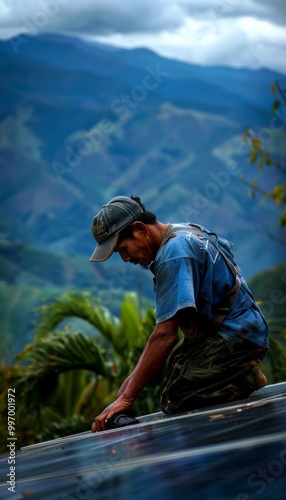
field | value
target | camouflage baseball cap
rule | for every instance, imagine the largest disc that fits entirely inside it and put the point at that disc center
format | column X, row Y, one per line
column 117, row 214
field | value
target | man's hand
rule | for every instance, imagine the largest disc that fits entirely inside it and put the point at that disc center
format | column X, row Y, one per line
column 121, row 405
column 158, row 348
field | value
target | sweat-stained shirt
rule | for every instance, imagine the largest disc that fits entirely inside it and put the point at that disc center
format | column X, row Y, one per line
column 190, row 272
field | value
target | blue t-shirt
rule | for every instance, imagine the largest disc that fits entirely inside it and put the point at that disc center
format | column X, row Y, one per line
column 190, row 272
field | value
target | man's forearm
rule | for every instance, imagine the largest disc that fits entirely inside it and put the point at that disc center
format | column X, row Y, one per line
column 155, row 354
column 150, row 363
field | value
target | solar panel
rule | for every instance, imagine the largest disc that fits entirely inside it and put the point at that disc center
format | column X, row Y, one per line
column 232, row 451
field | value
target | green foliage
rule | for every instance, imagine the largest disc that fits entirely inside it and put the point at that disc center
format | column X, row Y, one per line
column 64, row 377
column 277, row 356
column 270, row 289
column 65, row 374
column 263, row 157
column 37, row 381
column 82, row 305
column 61, row 351
column 16, row 306
column 30, row 275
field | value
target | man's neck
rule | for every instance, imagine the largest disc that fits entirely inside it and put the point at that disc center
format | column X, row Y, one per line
column 157, row 232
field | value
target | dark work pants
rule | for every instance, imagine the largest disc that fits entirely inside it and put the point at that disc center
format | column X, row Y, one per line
column 209, row 371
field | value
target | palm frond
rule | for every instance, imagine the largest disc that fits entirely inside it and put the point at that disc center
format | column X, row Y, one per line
column 53, row 429
column 64, row 373
column 75, row 304
column 129, row 327
column 61, row 351
column 43, row 360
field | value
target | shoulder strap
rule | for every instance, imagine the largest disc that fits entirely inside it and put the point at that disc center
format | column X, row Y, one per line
column 224, row 308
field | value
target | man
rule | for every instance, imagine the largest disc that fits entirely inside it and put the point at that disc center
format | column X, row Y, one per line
column 200, row 290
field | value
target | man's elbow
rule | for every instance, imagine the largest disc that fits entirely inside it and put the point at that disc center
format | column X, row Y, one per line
column 165, row 335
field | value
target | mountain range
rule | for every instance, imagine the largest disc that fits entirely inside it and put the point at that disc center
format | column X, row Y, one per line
column 81, row 122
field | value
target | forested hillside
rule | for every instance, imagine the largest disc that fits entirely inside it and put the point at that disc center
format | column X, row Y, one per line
column 82, row 122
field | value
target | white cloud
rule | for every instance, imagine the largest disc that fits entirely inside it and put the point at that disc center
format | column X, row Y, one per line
column 245, row 42
column 258, row 30
column 5, row 7
column 246, row 33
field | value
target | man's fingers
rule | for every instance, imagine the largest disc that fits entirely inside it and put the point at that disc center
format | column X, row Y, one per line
column 99, row 424
column 119, row 406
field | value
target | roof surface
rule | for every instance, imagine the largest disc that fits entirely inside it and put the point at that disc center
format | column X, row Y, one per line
column 234, row 451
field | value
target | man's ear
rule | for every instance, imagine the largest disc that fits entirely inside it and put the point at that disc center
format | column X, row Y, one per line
column 140, row 227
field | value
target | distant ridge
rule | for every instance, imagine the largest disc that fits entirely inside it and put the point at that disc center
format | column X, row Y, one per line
column 81, row 122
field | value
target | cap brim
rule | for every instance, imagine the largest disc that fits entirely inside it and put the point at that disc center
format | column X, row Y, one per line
column 105, row 250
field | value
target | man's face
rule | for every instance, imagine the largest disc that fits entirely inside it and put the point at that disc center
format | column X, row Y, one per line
column 136, row 250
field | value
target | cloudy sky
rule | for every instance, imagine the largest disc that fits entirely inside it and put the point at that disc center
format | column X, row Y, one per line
column 240, row 33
